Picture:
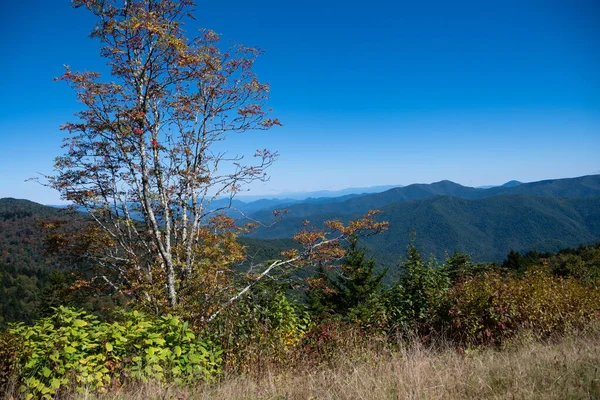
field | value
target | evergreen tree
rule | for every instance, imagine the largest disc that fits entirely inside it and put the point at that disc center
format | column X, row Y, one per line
column 351, row 290
column 419, row 290
column 514, row 262
column 319, row 294
column 357, row 282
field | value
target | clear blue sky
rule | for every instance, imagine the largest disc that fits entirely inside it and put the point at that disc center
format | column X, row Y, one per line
column 371, row 93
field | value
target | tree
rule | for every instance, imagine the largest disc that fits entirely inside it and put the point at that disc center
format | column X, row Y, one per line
column 420, row 289
column 143, row 160
column 513, row 262
column 358, row 282
column 349, row 289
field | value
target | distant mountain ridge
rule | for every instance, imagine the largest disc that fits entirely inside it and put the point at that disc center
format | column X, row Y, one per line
column 319, row 194
column 486, row 223
column 507, row 184
column 446, row 216
column 585, row 186
column 512, row 184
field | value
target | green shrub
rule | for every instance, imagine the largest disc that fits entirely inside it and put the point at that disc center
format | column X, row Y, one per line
column 489, row 308
column 72, row 349
column 582, row 263
column 261, row 329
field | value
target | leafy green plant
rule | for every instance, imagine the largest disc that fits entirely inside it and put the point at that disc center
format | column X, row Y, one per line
column 262, row 328
column 73, row 350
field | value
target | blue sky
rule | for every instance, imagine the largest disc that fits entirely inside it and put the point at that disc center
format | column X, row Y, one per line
column 370, row 93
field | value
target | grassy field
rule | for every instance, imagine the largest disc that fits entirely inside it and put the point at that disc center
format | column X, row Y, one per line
column 565, row 369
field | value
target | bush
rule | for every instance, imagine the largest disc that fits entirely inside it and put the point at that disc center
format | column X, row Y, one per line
column 489, row 308
column 582, row 263
column 73, row 350
column 261, row 329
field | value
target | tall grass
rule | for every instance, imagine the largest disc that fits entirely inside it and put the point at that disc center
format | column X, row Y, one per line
column 565, row 369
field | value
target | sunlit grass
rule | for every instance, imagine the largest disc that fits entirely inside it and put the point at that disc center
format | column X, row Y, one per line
column 565, row 369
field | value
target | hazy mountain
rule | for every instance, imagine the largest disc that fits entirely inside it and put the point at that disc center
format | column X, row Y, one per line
column 584, row 186
column 445, row 215
column 240, row 204
column 303, row 196
column 512, row 184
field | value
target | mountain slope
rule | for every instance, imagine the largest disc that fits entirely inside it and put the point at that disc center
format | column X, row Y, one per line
column 489, row 228
column 485, row 228
column 584, row 186
column 21, row 239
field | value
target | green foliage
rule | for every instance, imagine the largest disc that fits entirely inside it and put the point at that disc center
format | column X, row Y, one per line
column 72, row 349
column 419, row 292
column 459, row 265
column 489, row 308
column 262, row 327
column 582, row 263
column 20, row 294
column 351, row 291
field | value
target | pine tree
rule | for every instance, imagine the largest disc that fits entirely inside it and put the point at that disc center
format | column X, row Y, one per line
column 513, row 262
column 350, row 290
column 418, row 292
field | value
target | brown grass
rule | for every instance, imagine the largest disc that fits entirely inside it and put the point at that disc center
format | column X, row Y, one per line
column 566, row 369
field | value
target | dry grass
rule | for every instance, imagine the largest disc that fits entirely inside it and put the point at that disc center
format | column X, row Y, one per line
column 528, row 370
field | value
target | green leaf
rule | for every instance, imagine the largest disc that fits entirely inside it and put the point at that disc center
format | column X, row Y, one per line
column 109, row 347
column 79, row 323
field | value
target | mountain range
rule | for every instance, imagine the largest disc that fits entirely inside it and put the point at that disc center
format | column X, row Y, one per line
column 446, row 216
column 443, row 217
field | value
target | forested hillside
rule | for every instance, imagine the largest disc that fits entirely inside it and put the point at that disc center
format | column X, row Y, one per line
column 21, row 236
column 488, row 228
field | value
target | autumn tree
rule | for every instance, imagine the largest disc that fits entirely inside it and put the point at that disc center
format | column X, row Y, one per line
column 143, row 158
